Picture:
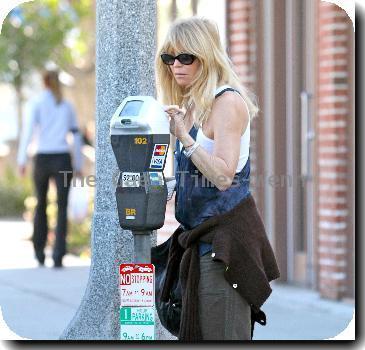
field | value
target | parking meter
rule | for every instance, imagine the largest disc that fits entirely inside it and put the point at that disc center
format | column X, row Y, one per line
column 140, row 137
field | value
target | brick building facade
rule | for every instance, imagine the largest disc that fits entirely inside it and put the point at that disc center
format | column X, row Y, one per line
column 298, row 57
column 335, row 151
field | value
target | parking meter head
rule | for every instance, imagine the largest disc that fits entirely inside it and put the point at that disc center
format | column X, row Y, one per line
column 140, row 137
column 140, row 134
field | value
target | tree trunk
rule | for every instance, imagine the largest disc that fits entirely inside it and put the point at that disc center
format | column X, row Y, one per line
column 194, row 7
column 19, row 105
column 173, row 10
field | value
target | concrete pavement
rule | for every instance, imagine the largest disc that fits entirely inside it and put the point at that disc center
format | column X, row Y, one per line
column 38, row 303
column 295, row 313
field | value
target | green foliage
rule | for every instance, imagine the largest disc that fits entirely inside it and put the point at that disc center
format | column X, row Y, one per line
column 13, row 192
column 38, row 32
column 78, row 241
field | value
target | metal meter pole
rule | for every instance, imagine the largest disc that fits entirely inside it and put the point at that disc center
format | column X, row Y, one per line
column 142, row 246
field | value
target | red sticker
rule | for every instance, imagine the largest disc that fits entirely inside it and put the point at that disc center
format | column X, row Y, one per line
column 160, row 150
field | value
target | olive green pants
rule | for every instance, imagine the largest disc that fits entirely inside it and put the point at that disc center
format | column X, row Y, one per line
column 224, row 314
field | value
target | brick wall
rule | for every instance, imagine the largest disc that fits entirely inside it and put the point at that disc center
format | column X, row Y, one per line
column 333, row 123
column 334, row 119
column 241, row 39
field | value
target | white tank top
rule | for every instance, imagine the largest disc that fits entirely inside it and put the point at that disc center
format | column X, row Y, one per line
column 208, row 143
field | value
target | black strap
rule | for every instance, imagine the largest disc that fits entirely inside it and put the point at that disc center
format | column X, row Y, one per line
column 224, row 90
column 74, row 130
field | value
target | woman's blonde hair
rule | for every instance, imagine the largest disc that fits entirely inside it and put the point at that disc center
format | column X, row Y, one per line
column 200, row 37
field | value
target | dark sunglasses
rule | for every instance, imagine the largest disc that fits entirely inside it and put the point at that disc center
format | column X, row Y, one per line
column 183, row 58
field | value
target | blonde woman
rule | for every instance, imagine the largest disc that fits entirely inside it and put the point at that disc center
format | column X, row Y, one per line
column 221, row 233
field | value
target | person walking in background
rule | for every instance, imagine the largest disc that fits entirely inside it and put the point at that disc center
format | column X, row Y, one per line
column 50, row 120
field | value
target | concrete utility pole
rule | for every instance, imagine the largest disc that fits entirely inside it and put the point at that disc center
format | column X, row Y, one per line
column 125, row 51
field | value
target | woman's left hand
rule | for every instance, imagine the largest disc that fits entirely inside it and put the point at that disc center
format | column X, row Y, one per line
column 177, row 125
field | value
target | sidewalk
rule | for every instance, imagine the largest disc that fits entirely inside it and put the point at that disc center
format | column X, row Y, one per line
column 38, row 303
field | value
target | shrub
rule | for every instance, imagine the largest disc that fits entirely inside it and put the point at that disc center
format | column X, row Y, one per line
column 13, row 192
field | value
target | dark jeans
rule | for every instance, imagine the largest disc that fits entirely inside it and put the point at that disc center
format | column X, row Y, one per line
column 224, row 314
column 48, row 166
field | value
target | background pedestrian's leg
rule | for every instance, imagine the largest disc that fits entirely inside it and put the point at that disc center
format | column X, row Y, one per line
column 63, row 182
column 40, row 227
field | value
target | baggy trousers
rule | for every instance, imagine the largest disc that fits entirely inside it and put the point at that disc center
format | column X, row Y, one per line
column 224, row 314
column 48, row 166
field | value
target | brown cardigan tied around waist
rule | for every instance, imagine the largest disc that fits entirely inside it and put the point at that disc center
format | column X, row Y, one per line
column 239, row 240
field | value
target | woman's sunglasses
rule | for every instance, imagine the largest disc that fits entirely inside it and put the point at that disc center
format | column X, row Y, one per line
column 183, row 58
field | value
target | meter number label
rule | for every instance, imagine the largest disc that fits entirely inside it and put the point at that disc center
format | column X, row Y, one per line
column 131, row 179
column 140, row 140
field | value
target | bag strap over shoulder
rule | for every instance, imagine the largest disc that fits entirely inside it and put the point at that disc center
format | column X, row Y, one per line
column 222, row 89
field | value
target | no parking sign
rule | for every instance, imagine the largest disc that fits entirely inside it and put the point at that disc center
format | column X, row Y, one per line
column 137, row 300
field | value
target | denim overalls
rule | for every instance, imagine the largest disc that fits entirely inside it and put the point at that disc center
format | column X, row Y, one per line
column 197, row 199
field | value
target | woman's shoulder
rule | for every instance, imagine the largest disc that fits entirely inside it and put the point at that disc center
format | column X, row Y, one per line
column 230, row 109
column 229, row 99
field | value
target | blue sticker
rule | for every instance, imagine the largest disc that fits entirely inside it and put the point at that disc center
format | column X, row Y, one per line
column 156, row 179
column 157, row 162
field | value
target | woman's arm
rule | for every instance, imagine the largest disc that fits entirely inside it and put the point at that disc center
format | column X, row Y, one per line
column 77, row 141
column 230, row 118
column 29, row 121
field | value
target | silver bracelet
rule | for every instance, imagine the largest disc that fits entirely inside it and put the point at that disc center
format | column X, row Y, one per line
column 191, row 150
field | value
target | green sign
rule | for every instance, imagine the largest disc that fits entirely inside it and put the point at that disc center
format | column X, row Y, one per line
column 137, row 316
column 137, row 323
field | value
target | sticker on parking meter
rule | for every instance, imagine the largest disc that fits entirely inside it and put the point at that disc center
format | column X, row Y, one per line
column 137, row 323
column 130, row 179
column 156, row 178
column 158, row 156
column 130, row 213
column 137, row 285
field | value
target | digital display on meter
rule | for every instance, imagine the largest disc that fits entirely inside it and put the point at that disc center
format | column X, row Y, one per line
column 131, row 109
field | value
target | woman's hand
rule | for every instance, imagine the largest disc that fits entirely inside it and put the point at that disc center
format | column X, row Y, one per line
column 177, row 125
